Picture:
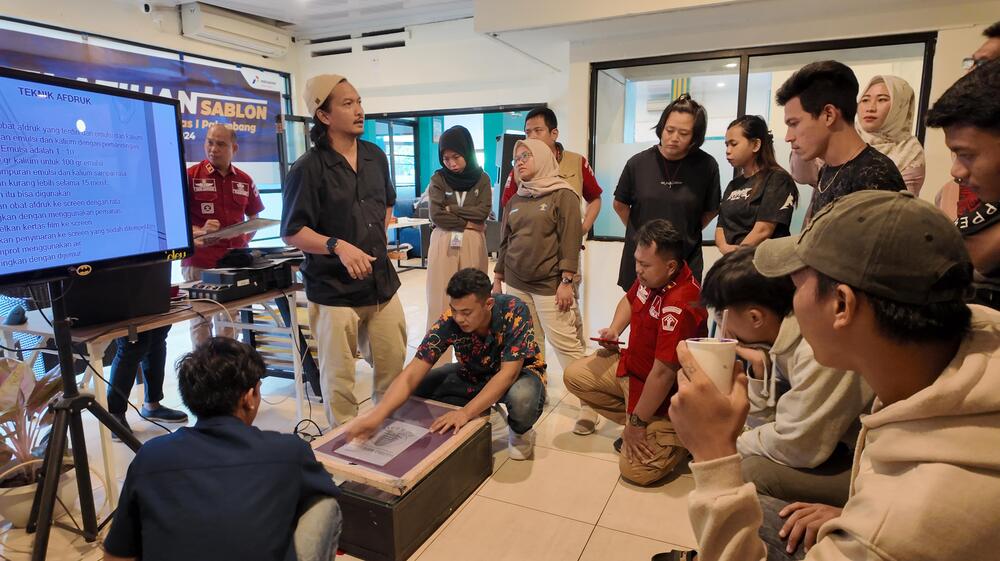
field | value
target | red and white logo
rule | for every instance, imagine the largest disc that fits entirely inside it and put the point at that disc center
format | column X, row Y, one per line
column 241, row 189
column 654, row 307
column 670, row 318
column 642, row 294
column 208, row 208
column 668, row 322
column 201, row 185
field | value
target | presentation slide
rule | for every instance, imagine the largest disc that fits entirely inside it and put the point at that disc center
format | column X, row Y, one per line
column 85, row 176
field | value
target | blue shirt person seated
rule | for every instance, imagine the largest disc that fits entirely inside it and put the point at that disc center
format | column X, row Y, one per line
column 223, row 489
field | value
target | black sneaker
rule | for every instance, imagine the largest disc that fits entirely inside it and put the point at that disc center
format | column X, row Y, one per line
column 618, row 445
column 165, row 414
column 675, row 555
column 122, row 420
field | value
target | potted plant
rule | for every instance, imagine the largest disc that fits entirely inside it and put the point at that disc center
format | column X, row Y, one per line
column 24, row 416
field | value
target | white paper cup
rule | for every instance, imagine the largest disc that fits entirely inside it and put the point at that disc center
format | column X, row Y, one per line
column 716, row 358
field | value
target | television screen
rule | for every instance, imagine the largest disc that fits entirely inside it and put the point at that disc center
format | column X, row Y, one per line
column 90, row 177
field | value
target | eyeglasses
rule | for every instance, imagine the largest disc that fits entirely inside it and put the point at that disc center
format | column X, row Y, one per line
column 522, row 158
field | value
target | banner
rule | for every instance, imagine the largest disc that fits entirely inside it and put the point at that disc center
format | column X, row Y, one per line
column 245, row 99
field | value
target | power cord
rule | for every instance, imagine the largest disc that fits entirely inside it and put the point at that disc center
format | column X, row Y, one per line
column 120, row 393
column 308, row 437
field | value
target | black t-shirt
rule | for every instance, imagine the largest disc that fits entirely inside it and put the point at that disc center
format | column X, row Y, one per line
column 678, row 191
column 774, row 202
column 870, row 169
column 217, row 490
column 323, row 192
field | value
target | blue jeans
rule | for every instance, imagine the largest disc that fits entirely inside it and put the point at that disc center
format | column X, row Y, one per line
column 150, row 350
column 524, row 399
column 317, row 531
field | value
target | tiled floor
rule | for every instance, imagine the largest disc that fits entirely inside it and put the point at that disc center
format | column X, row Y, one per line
column 568, row 503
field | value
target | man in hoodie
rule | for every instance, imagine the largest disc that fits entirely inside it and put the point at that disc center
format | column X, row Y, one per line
column 880, row 283
column 804, row 417
column 969, row 113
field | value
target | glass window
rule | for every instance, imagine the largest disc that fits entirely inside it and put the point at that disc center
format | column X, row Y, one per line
column 630, row 97
column 767, row 73
column 629, row 103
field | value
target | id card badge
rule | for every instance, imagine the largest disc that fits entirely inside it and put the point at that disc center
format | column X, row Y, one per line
column 456, row 240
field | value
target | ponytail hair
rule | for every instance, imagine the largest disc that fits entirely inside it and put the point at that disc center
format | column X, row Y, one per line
column 755, row 128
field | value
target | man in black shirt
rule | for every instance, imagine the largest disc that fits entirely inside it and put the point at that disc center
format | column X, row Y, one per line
column 969, row 113
column 820, row 102
column 338, row 200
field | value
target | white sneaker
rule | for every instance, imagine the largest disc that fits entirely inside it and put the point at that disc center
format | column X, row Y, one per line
column 521, row 446
column 586, row 422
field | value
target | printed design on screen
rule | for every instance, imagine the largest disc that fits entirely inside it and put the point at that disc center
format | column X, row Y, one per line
column 386, row 444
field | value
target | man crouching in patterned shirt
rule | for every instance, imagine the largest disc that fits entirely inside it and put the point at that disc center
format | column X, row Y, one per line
column 497, row 362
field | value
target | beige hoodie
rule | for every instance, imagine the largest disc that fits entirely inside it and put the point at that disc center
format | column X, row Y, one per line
column 926, row 475
column 821, row 408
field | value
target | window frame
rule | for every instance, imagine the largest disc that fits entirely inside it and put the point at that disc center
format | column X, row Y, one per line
column 929, row 40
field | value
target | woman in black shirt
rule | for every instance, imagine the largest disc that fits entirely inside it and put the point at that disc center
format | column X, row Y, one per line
column 759, row 202
column 674, row 180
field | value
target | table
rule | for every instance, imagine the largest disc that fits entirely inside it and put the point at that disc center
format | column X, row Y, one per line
column 97, row 339
column 402, row 224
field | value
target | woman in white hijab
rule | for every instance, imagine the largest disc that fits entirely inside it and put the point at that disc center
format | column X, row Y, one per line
column 885, row 121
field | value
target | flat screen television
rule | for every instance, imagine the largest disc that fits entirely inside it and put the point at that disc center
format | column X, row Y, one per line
column 91, row 178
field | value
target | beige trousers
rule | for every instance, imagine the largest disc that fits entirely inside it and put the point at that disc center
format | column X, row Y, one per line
column 593, row 379
column 339, row 333
column 443, row 261
column 201, row 329
column 562, row 329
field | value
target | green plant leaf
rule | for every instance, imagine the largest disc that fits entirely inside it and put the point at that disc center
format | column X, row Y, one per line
column 16, row 381
column 45, row 389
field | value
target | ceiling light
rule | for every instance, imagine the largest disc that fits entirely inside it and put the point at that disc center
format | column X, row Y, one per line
column 721, row 84
column 732, row 65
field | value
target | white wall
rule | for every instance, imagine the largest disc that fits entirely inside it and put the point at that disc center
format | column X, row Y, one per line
column 443, row 66
column 494, row 16
column 953, row 45
column 125, row 20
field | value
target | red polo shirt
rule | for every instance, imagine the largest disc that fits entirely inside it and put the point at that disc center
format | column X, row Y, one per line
column 227, row 198
column 661, row 318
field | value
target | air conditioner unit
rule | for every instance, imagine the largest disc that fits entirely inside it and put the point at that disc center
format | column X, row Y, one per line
column 219, row 27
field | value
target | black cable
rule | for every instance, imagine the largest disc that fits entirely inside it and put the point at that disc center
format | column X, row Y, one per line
column 293, row 316
column 120, row 393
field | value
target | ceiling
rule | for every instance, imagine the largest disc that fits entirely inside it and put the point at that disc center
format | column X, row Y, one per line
column 320, row 19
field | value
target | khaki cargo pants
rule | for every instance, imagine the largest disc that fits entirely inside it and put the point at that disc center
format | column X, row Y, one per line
column 593, row 380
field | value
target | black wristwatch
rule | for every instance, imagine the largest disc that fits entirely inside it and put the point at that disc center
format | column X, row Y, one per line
column 331, row 245
column 635, row 421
